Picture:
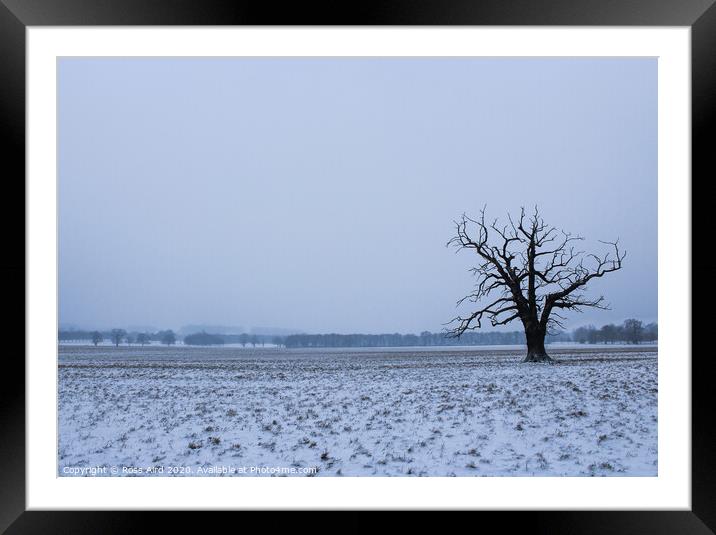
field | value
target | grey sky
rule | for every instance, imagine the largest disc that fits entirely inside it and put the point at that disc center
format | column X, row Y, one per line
column 318, row 194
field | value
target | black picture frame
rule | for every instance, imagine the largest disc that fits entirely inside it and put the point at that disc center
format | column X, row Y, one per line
column 17, row 15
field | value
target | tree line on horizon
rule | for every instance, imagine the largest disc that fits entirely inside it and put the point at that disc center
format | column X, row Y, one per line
column 166, row 337
column 631, row 331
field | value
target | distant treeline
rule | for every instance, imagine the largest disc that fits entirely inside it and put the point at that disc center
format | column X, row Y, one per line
column 168, row 337
column 117, row 336
column 425, row 338
column 203, row 339
column 631, row 331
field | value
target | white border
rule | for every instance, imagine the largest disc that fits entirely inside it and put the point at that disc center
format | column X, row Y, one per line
column 670, row 490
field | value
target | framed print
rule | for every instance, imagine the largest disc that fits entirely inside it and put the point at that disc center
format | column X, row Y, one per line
column 246, row 234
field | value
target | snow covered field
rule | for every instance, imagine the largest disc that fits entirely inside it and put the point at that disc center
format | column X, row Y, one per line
column 378, row 412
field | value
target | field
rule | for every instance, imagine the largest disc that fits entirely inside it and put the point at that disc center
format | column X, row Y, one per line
column 387, row 412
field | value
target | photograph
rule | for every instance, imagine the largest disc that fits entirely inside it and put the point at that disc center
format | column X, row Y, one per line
column 357, row 267
column 432, row 256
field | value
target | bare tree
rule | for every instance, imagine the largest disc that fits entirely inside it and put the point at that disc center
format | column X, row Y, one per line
column 527, row 271
column 168, row 337
column 243, row 339
column 633, row 330
column 143, row 338
column 97, row 337
column 117, row 335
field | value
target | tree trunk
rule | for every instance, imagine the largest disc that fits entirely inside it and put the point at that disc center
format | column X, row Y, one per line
column 535, row 346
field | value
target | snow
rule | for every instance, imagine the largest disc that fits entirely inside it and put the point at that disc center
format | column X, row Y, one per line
column 378, row 412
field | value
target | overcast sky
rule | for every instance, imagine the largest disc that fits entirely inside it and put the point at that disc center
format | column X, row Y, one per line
column 318, row 194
